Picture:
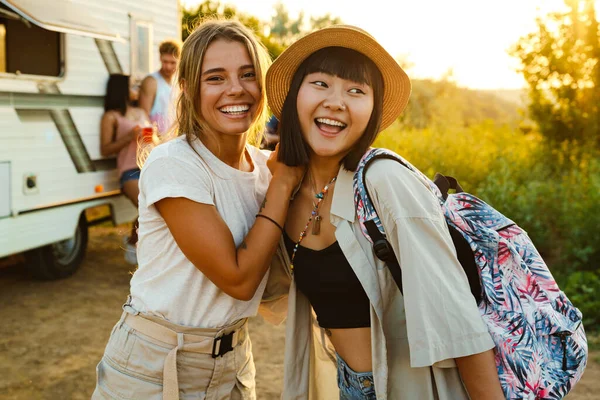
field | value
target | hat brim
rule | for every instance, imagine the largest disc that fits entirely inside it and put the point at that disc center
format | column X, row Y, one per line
column 396, row 83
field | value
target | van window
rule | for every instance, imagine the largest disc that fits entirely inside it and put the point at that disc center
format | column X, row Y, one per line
column 43, row 49
column 141, row 49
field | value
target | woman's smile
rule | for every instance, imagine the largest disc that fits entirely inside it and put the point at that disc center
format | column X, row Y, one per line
column 235, row 111
column 330, row 127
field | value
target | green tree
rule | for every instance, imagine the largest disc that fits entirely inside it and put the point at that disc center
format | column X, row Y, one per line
column 283, row 28
column 561, row 64
column 214, row 9
column 209, row 8
column 276, row 35
column 324, row 21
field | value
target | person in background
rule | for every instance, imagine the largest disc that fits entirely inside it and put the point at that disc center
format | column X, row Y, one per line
column 156, row 90
column 120, row 130
column 271, row 136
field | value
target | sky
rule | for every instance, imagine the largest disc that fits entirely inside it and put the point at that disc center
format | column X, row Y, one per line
column 471, row 38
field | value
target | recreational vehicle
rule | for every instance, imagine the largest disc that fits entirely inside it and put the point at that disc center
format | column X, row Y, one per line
column 55, row 59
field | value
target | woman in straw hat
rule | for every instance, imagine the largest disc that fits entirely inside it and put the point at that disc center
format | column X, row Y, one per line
column 202, row 252
column 333, row 92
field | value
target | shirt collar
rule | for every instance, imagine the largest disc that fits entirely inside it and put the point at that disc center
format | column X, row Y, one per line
column 342, row 205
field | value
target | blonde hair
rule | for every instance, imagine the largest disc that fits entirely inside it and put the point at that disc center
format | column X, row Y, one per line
column 189, row 122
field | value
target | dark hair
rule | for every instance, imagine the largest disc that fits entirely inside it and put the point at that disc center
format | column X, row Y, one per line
column 117, row 93
column 346, row 64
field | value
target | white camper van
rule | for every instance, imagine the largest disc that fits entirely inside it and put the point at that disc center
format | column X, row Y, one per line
column 55, row 59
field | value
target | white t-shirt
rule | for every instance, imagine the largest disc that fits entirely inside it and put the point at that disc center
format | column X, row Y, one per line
column 166, row 283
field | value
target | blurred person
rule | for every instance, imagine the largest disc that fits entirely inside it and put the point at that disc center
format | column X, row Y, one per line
column 156, row 90
column 271, row 134
column 212, row 208
column 120, row 130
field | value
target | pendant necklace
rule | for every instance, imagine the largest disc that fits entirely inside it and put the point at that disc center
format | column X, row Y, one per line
column 314, row 215
column 316, row 227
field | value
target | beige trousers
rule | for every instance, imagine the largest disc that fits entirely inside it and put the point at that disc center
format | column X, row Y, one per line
column 149, row 358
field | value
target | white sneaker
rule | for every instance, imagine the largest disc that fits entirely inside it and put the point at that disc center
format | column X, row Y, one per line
column 130, row 251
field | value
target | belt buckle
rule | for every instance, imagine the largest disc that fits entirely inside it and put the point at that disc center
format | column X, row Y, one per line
column 222, row 345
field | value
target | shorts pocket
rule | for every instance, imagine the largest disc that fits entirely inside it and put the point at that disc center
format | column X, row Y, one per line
column 120, row 345
column 147, row 358
column 195, row 372
column 245, row 370
column 117, row 383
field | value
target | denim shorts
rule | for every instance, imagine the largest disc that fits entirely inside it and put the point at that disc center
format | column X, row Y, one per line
column 354, row 385
column 130, row 175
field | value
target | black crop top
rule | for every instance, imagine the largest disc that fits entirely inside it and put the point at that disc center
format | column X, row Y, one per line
column 328, row 281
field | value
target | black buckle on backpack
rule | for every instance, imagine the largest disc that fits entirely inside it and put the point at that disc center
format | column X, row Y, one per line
column 382, row 250
column 222, row 345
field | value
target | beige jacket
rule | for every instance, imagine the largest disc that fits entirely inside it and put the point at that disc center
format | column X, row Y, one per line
column 415, row 337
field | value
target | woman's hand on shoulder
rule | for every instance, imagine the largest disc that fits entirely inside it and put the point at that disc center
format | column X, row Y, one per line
column 290, row 177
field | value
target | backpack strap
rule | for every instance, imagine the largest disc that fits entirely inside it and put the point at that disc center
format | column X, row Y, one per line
column 373, row 228
column 445, row 183
column 381, row 247
column 383, row 250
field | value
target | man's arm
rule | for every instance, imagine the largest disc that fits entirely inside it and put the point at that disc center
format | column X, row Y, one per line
column 147, row 94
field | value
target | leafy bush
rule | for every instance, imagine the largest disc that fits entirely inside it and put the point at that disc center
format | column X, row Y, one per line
column 582, row 287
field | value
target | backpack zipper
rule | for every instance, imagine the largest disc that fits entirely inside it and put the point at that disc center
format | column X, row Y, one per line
column 505, row 227
column 563, row 341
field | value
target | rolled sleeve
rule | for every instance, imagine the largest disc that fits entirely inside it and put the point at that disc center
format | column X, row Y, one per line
column 442, row 319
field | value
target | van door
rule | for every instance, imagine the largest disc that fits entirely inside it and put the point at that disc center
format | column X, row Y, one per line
column 4, row 189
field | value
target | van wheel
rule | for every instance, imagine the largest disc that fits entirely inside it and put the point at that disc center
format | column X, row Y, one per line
column 61, row 259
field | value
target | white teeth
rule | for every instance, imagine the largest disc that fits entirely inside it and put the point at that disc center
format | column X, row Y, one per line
column 331, row 122
column 235, row 109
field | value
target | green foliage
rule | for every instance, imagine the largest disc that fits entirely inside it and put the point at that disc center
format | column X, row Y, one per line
column 582, row 288
column 214, row 9
column 470, row 154
column 594, row 344
column 276, row 35
column 208, row 9
column 561, row 64
column 553, row 194
column 324, row 21
column 283, row 28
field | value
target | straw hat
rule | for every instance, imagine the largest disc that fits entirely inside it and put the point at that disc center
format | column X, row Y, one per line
column 395, row 81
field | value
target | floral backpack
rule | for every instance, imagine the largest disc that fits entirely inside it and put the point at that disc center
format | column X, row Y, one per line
column 541, row 347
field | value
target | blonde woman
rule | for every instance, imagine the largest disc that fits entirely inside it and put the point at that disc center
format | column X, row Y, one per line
column 210, row 222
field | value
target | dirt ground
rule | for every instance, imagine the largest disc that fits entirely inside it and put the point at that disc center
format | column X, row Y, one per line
column 52, row 334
